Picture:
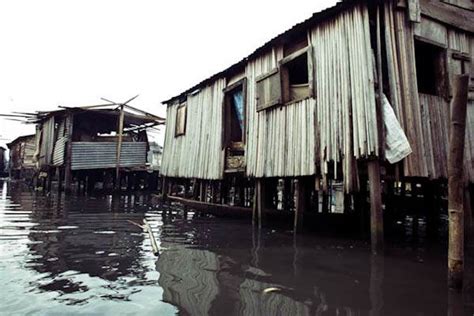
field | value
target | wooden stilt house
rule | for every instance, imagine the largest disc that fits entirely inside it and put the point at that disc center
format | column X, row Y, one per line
column 92, row 143
column 321, row 103
column 22, row 150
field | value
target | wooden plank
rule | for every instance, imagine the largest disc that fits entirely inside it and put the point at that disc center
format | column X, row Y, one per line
column 448, row 14
column 67, row 169
column 414, row 11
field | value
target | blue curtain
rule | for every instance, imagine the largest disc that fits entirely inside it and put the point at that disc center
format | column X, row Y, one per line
column 237, row 97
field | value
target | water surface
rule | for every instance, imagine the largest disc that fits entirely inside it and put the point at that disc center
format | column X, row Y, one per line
column 81, row 255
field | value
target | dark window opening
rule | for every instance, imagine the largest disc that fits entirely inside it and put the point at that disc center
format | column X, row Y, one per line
column 295, row 79
column 234, row 114
column 430, row 68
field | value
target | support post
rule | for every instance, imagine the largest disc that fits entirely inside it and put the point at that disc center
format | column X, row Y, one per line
column 119, row 142
column 202, row 191
column 455, row 182
column 260, row 201
column 67, row 169
column 376, row 215
column 299, row 205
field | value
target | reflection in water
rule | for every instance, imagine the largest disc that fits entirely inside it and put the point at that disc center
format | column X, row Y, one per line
column 63, row 255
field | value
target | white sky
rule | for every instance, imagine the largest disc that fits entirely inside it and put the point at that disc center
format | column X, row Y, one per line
column 61, row 52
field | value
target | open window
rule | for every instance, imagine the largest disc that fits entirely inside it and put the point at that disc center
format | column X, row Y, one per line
column 233, row 138
column 290, row 82
column 431, row 72
column 234, row 113
column 180, row 127
column 296, row 75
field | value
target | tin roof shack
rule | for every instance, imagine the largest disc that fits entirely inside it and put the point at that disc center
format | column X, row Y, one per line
column 95, row 143
column 154, row 156
column 308, row 106
column 22, row 164
column 2, row 161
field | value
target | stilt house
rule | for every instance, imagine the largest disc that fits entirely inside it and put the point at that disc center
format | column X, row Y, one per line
column 359, row 90
column 22, row 164
column 84, row 141
column 2, row 161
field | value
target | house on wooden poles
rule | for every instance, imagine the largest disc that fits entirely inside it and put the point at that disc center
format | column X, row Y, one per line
column 102, row 145
column 2, row 161
column 353, row 100
column 21, row 157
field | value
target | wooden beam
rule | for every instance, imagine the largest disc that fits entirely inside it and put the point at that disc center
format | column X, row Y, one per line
column 455, row 182
column 376, row 215
column 448, row 14
column 119, row 143
column 299, row 205
column 68, row 162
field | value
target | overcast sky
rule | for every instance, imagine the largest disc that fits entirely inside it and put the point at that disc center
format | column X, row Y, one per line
column 71, row 53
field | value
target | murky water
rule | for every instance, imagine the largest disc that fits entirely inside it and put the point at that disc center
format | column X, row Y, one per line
column 80, row 255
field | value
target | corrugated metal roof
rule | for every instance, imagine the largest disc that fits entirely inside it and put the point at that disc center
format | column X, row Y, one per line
column 315, row 18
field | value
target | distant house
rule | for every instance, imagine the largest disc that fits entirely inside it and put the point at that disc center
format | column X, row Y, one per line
column 154, row 156
column 2, row 161
column 22, row 163
column 97, row 142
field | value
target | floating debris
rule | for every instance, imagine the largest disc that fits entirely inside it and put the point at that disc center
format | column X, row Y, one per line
column 271, row 289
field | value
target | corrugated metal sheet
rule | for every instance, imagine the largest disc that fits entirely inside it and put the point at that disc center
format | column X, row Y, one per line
column 93, row 155
column 58, row 154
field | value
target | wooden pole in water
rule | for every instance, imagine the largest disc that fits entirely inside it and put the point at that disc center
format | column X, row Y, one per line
column 119, row 143
column 260, row 201
column 299, row 205
column 376, row 215
column 154, row 245
column 68, row 162
column 455, row 181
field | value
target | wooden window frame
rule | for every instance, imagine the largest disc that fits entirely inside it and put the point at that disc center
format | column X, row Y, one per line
column 183, row 132
column 227, row 90
column 444, row 91
column 308, row 50
column 283, row 78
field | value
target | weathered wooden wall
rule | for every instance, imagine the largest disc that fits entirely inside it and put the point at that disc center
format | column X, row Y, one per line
column 339, row 124
column 346, row 116
column 425, row 117
column 198, row 153
column 280, row 141
column 289, row 140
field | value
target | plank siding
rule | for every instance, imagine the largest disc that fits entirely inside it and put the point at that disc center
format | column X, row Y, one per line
column 198, row 153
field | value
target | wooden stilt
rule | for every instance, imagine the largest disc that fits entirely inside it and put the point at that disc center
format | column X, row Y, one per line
column 299, row 205
column 260, row 201
column 202, row 188
column 376, row 215
column 67, row 164
column 119, row 141
column 164, row 190
column 254, row 204
column 455, row 182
